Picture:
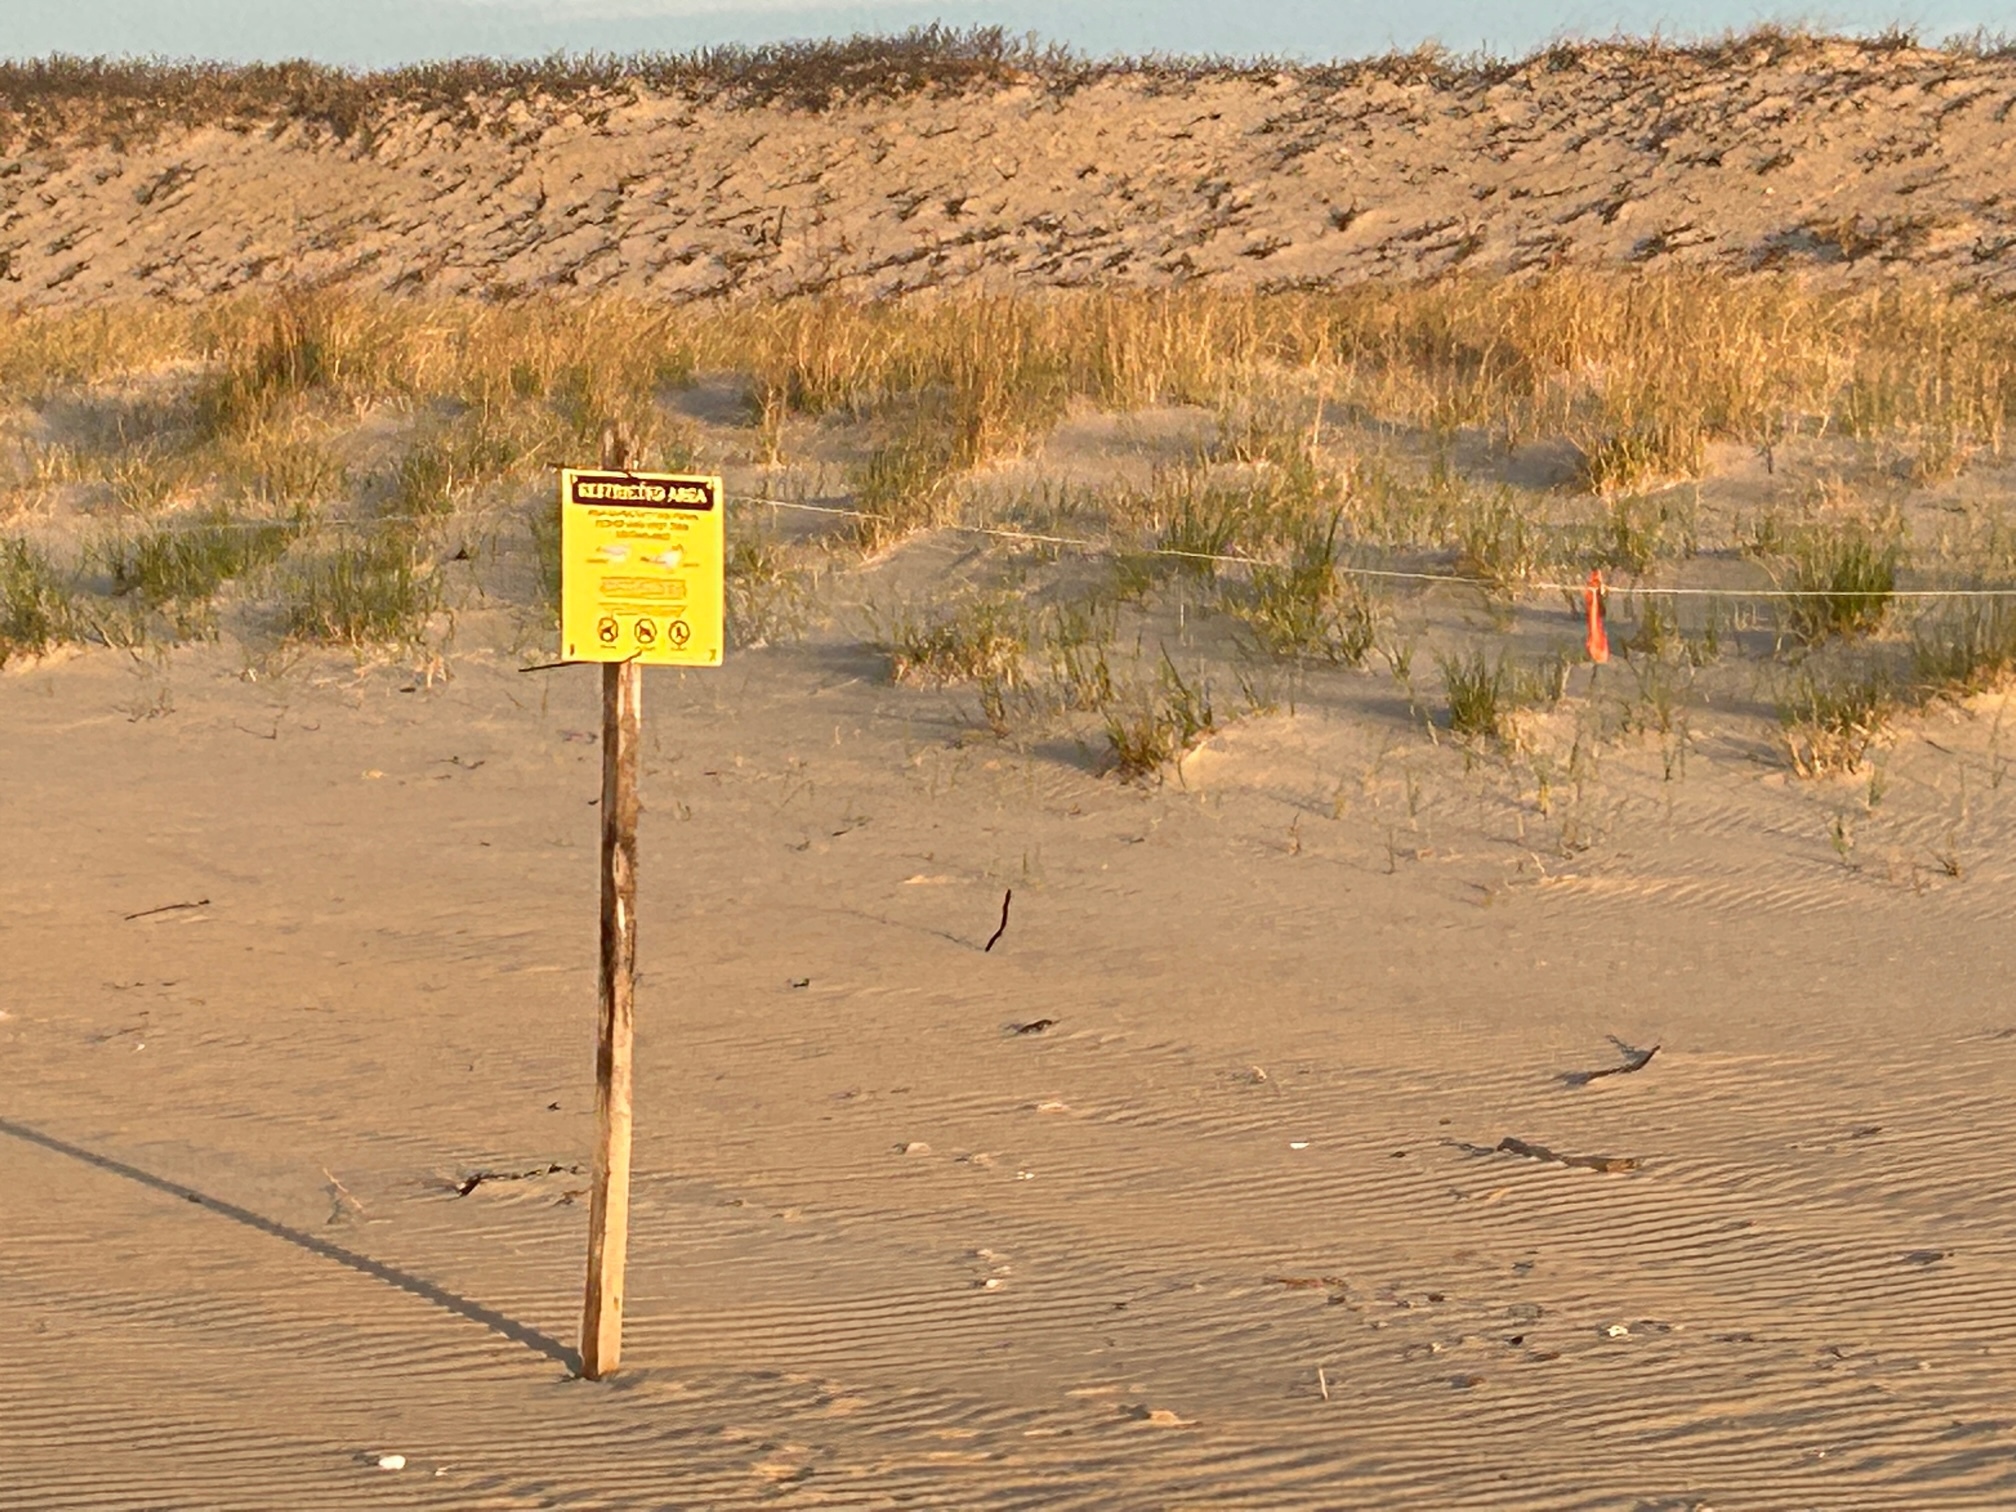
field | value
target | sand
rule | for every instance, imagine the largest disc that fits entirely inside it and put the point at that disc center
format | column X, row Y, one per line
column 288, row 961
column 1845, row 160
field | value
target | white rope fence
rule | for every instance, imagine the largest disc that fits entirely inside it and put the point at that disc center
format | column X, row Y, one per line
column 1096, row 547
column 1008, row 533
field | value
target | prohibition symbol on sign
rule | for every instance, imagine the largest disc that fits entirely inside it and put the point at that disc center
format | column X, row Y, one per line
column 606, row 630
column 680, row 631
column 646, row 632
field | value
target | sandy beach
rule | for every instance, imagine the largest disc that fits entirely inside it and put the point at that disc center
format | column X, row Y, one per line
column 888, row 1249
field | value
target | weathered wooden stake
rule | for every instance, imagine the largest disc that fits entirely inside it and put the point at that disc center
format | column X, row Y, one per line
column 609, row 1195
column 609, row 1200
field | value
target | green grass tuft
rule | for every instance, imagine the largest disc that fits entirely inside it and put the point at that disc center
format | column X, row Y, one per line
column 769, row 592
column 1967, row 648
column 377, row 589
column 1159, row 726
column 1479, row 694
column 1309, row 607
column 1500, row 544
column 981, row 641
column 179, row 564
column 1076, row 639
column 1831, row 718
column 1846, row 576
column 38, row 608
column 1484, row 695
column 903, row 487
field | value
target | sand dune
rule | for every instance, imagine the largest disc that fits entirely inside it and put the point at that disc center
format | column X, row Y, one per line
column 1846, row 158
column 1261, row 1165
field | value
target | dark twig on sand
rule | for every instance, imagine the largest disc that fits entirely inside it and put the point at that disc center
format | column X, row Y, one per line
column 1510, row 1146
column 993, row 939
column 148, row 913
column 1634, row 1060
column 475, row 1179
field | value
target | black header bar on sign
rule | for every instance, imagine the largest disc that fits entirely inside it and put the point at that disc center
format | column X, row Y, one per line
column 643, row 491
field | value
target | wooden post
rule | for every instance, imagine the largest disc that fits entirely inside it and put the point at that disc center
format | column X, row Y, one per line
column 609, row 1199
column 609, row 1194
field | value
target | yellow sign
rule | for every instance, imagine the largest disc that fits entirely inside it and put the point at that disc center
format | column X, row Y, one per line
column 642, row 565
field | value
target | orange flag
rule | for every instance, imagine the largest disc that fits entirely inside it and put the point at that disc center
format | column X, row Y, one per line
column 1592, row 601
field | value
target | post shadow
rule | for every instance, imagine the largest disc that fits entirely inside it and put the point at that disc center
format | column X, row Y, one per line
column 413, row 1285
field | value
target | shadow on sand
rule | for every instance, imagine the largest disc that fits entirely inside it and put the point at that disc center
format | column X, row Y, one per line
column 427, row 1291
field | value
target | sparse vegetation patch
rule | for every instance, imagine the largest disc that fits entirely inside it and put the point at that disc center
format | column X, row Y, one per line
column 1842, row 578
column 178, row 565
column 373, row 587
column 1965, row 647
column 1832, row 716
column 38, row 609
column 358, row 465
column 984, row 640
column 1308, row 606
column 1158, row 724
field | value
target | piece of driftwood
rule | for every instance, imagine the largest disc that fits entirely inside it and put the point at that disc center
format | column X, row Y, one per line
column 475, row 1179
column 1634, row 1060
column 1511, row 1146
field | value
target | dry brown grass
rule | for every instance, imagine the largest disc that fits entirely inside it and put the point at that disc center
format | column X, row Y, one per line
column 1639, row 370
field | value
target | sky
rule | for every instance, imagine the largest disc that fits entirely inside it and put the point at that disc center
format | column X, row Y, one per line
column 378, row 33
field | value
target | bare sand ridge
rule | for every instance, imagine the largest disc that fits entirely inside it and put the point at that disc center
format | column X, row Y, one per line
column 1844, row 157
